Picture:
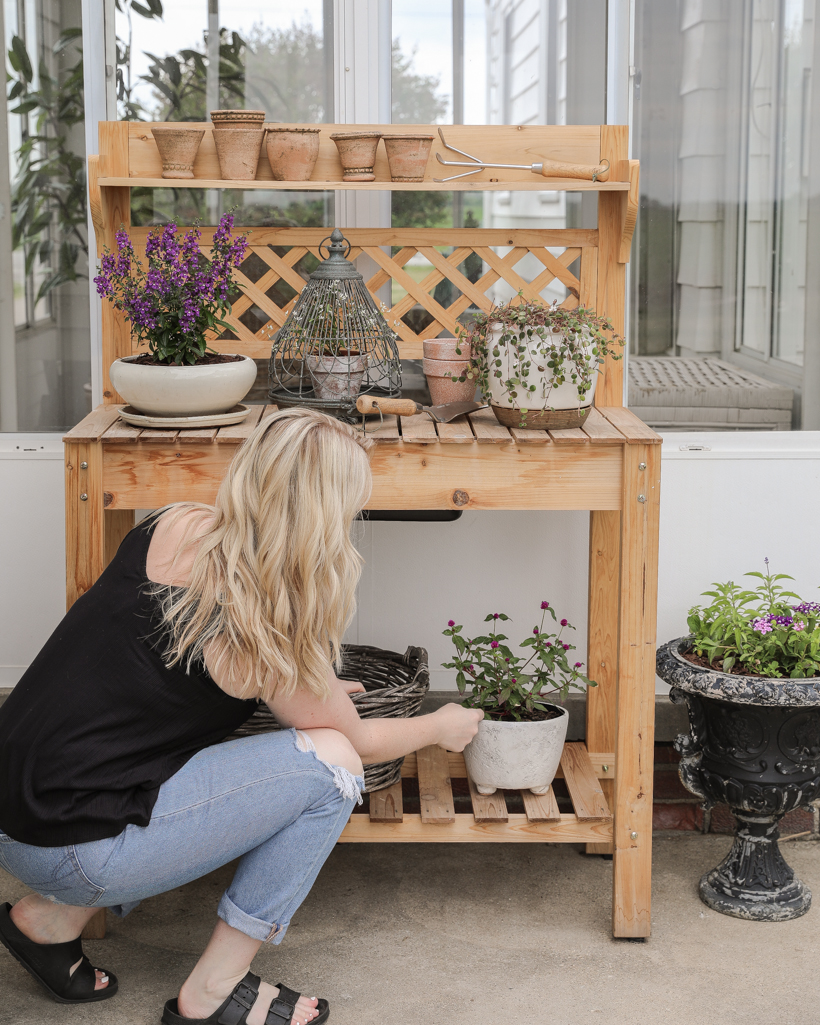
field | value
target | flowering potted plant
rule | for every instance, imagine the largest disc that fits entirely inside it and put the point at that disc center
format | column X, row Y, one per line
column 171, row 305
column 519, row 742
column 749, row 674
column 537, row 364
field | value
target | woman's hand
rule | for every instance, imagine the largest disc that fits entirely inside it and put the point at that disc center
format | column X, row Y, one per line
column 351, row 687
column 457, row 726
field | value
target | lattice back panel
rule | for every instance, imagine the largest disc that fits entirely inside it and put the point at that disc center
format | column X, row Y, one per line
column 279, row 264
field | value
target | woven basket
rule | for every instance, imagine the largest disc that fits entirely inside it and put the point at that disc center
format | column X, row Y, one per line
column 395, row 686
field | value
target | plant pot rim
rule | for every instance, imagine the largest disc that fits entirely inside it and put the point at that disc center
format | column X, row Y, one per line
column 180, row 366
column 527, row 722
column 232, row 112
column 356, row 135
column 294, row 131
column 678, row 672
column 188, row 129
column 408, row 136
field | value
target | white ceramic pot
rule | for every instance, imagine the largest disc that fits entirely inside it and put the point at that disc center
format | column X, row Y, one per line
column 564, row 396
column 516, row 755
column 183, row 391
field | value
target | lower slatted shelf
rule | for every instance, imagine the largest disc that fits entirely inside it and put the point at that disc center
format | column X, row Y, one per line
column 492, row 819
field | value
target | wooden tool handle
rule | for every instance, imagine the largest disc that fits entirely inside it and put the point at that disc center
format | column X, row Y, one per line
column 375, row 404
column 590, row 172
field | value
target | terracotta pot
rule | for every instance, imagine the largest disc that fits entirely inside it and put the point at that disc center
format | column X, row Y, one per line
column 178, row 148
column 337, row 377
column 445, row 348
column 292, row 153
column 440, row 373
column 357, row 152
column 237, row 118
column 516, row 755
column 238, row 151
column 183, row 391
column 407, row 156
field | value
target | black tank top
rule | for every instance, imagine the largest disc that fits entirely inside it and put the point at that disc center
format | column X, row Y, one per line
column 98, row 722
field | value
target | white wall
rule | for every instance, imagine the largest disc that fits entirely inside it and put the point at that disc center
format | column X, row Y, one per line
column 722, row 511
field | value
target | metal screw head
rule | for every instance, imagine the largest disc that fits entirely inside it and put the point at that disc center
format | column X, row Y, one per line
column 633, row 835
column 641, row 466
column 641, row 498
column 605, row 768
column 83, row 466
column 83, row 497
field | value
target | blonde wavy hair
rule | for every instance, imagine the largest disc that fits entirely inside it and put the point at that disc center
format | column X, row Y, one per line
column 273, row 583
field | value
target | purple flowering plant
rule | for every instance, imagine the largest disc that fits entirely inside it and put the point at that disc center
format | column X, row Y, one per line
column 508, row 685
column 181, row 294
column 768, row 631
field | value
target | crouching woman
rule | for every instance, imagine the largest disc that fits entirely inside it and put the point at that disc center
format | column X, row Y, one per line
column 114, row 783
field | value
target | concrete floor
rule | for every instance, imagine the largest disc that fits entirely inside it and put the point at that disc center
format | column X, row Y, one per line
column 475, row 934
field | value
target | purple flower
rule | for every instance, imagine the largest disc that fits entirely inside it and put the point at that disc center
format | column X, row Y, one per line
column 549, row 644
column 565, row 647
column 799, row 625
column 563, row 622
column 451, row 622
column 535, row 630
column 495, row 615
column 762, row 626
column 578, row 665
column 471, row 669
column 766, row 560
column 512, row 679
column 807, row 608
column 493, row 644
column 545, row 604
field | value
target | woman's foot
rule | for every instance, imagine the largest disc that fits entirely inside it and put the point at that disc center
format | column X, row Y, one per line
column 41, row 921
column 200, row 1001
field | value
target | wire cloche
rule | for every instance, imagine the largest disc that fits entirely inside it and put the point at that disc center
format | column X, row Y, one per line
column 335, row 344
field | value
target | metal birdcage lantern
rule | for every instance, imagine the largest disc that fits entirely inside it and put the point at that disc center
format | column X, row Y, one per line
column 335, row 344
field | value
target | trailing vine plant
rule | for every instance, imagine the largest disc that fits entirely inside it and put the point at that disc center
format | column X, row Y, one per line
column 560, row 344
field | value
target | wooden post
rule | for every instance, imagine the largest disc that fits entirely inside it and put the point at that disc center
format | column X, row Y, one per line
column 634, row 742
column 115, row 212
column 612, row 273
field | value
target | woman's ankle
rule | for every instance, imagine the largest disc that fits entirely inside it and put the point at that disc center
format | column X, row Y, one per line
column 42, row 921
column 200, row 995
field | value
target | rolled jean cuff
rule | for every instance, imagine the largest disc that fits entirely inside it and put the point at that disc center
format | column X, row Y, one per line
column 250, row 926
column 121, row 910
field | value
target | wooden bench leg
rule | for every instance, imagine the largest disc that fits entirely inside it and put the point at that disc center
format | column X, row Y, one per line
column 95, row 927
column 602, row 657
column 634, row 742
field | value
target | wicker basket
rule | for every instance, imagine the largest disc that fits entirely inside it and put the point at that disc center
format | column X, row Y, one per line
column 395, row 686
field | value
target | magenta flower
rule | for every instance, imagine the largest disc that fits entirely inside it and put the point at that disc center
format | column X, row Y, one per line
column 565, row 647
column 563, row 622
column 493, row 644
column 535, row 630
column 799, row 624
column 495, row 615
column 578, row 665
column 512, row 679
column 451, row 622
column 762, row 626
column 549, row 644
column 545, row 604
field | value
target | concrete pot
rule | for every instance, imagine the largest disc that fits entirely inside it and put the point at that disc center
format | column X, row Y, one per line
column 237, row 118
column 440, row 373
column 292, row 153
column 178, row 148
column 516, row 755
column 547, row 407
column 407, row 156
column 445, row 348
column 357, row 152
column 238, row 152
column 183, row 391
column 337, row 377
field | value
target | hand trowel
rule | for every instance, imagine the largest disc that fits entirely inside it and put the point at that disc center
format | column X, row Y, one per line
column 407, row 407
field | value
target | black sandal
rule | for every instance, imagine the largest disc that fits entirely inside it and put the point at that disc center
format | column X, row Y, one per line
column 235, row 1009
column 50, row 964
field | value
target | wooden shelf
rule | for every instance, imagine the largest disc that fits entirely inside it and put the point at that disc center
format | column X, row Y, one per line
column 537, row 184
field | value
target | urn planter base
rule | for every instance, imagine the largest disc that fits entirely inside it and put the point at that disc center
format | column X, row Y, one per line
column 754, row 880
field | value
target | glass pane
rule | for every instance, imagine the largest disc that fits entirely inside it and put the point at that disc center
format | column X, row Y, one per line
column 44, row 353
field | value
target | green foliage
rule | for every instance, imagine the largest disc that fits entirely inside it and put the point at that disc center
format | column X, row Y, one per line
column 414, row 99
column 758, row 630
column 570, row 344
column 509, row 685
column 49, row 193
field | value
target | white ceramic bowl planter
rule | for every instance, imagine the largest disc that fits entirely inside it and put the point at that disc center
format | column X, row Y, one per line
column 183, row 390
column 516, row 755
column 563, row 399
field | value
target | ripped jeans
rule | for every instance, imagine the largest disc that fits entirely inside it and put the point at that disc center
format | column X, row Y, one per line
column 267, row 800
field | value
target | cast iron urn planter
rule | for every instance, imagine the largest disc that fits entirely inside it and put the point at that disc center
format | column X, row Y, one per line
column 753, row 743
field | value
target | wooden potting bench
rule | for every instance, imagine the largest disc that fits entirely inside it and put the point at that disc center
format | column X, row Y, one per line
column 610, row 467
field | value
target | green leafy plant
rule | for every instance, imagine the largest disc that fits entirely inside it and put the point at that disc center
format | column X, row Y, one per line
column 560, row 344
column 508, row 685
column 759, row 631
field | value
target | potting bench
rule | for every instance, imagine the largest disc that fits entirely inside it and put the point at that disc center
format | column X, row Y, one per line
column 610, row 466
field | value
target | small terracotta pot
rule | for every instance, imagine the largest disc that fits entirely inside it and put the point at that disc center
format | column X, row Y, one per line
column 440, row 373
column 337, row 377
column 357, row 152
column 292, row 153
column 238, row 118
column 445, row 348
column 407, row 156
column 178, row 148
column 238, row 151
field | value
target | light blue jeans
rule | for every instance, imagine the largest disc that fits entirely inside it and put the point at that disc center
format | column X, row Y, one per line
column 268, row 800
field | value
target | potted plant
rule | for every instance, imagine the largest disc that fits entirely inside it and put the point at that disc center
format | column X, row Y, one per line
column 537, row 364
column 336, row 365
column 171, row 305
column 519, row 742
column 749, row 673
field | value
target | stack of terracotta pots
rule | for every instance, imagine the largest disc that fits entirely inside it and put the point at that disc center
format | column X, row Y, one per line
column 446, row 365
